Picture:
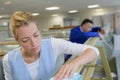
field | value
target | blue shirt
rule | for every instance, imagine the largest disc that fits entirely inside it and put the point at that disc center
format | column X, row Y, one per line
column 78, row 36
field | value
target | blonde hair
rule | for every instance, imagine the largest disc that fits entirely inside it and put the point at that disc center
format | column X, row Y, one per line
column 18, row 19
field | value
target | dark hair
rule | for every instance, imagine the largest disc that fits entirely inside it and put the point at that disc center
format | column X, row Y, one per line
column 85, row 21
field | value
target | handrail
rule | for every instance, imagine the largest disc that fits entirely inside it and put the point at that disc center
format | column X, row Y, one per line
column 3, row 52
column 105, row 63
column 88, row 71
column 87, row 74
column 9, row 43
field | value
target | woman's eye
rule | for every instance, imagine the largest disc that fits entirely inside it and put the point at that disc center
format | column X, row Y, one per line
column 36, row 35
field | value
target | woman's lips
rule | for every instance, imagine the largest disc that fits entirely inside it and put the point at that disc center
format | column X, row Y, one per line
column 34, row 49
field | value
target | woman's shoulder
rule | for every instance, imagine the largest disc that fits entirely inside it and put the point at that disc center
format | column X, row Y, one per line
column 12, row 53
column 16, row 50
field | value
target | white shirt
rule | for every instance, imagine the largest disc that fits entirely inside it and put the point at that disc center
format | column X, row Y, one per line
column 59, row 46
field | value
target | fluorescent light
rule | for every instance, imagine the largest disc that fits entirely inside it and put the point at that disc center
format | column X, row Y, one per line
column 35, row 14
column 55, row 15
column 99, row 9
column 52, row 8
column 4, row 16
column 5, row 23
column 93, row 6
column 1, row 17
column 73, row 11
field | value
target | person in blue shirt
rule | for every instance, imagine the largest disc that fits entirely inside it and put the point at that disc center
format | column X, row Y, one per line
column 83, row 32
column 80, row 34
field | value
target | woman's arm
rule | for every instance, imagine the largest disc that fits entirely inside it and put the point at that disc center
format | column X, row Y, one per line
column 85, row 54
column 69, row 69
column 6, row 68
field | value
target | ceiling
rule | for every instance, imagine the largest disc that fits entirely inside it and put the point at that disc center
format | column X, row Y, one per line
column 40, row 5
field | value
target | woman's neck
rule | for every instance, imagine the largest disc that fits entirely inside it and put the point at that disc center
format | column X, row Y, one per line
column 29, row 57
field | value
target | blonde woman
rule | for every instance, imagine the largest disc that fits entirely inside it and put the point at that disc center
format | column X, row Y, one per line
column 35, row 59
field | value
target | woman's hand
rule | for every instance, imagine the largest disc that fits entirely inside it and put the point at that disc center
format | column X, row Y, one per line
column 67, row 70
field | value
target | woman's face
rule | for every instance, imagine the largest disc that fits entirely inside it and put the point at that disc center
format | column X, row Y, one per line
column 29, row 37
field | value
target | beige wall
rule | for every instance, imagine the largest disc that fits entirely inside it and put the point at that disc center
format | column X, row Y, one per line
column 48, row 21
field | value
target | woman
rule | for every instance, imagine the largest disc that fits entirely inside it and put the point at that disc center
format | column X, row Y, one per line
column 36, row 58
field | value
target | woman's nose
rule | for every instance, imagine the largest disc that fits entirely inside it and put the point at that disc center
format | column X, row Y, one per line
column 33, row 42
